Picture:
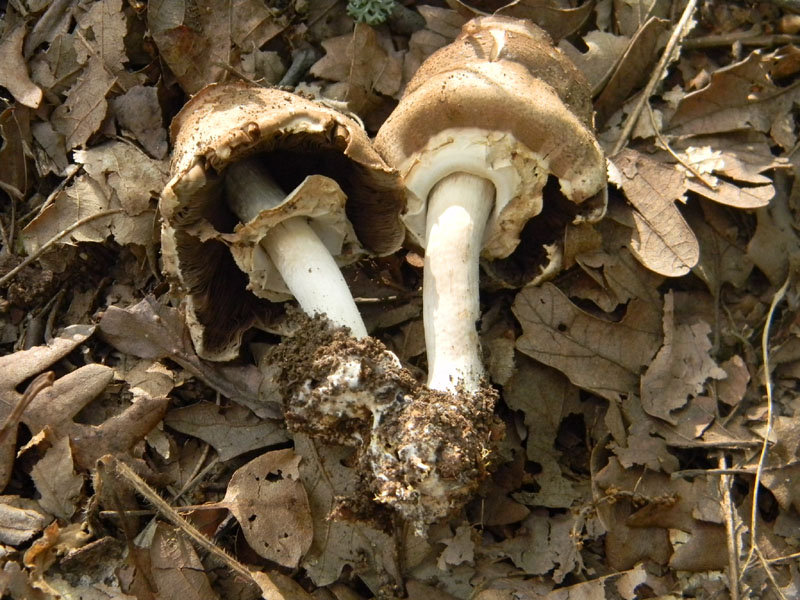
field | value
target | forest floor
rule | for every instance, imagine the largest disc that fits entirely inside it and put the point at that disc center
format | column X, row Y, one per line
column 649, row 390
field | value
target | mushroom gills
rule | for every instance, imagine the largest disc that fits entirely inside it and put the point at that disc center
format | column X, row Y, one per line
column 303, row 261
column 458, row 210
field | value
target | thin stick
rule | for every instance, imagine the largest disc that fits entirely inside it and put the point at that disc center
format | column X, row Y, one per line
column 729, row 516
column 666, row 57
column 762, row 459
column 46, row 246
column 169, row 513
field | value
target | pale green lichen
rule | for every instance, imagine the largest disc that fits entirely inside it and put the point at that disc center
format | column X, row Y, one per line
column 371, row 12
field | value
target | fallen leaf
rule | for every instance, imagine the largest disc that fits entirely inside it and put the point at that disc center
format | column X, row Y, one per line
column 193, row 38
column 545, row 397
column 14, row 176
column 681, row 367
column 230, row 431
column 336, row 543
column 595, row 354
column 664, row 242
column 86, row 106
column 458, row 549
column 153, row 330
column 603, row 52
column 551, row 16
column 14, row 74
column 738, row 96
column 731, row 389
column 21, row 519
column 268, row 499
column 103, row 28
column 175, row 567
column 138, row 111
column 633, row 68
column 58, row 485
column 775, row 241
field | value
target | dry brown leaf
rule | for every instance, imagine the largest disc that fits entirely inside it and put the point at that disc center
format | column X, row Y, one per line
column 545, row 396
column 268, row 499
column 740, row 96
column 625, row 584
column 458, row 549
column 721, row 260
column 681, row 367
column 664, row 242
column 600, row 59
column 231, row 431
column 175, row 567
column 731, row 389
column 366, row 60
column 543, row 544
column 338, row 543
column 595, row 354
column 550, row 15
column 630, row 15
column 14, row 74
column 775, row 241
column 634, row 67
column 442, row 25
column 14, row 175
column 85, row 108
column 138, row 111
column 153, row 330
column 21, row 519
column 103, row 28
column 58, row 485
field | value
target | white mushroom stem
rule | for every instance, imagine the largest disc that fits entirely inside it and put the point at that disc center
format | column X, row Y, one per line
column 458, row 209
column 303, row 261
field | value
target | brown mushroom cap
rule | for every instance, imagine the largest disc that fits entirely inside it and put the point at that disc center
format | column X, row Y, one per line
column 321, row 154
column 501, row 81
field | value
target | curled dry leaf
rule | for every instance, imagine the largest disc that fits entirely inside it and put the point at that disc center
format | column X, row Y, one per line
column 268, row 499
column 663, row 241
column 14, row 74
column 21, row 519
column 596, row 354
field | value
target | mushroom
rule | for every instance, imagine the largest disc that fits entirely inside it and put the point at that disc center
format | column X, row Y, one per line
column 480, row 128
column 234, row 241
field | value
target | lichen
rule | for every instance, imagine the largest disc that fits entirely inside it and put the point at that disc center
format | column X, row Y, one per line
column 371, row 12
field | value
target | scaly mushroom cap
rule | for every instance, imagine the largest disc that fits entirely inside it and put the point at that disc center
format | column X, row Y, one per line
column 502, row 103
column 320, row 157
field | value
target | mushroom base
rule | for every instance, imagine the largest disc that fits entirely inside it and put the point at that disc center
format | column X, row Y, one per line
column 429, row 457
column 335, row 385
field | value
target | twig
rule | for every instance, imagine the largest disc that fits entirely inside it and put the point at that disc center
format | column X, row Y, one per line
column 743, row 38
column 731, row 530
column 169, row 513
column 762, row 459
column 666, row 57
column 46, row 246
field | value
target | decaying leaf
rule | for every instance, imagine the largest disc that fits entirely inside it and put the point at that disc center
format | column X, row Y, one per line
column 268, row 499
column 86, row 106
column 680, row 368
column 339, row 543
column 138, row 111
column 594, row 353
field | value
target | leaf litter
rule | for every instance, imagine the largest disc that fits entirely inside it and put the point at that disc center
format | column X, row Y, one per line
column 644, row 390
